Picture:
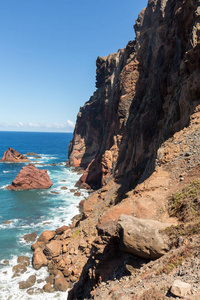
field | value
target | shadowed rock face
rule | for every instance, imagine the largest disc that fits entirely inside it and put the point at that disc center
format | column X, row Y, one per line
column 145, row 93
column 31, row 177
column 11, row 155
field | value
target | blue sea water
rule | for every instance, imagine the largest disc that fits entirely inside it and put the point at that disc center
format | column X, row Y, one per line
column 33, row 210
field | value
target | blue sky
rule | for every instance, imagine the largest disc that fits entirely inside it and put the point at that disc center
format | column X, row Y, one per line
column 48, row 51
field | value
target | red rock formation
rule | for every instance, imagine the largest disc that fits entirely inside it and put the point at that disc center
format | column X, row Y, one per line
column 31, row 177
column 145, row 93
column 11, row 155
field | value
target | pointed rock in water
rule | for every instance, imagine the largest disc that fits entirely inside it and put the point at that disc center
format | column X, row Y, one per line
column 11, row 155
column 31, row 177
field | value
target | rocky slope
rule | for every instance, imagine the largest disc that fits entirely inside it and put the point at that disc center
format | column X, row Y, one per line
column 145, row 93
column 138, row 141
column 96, row 261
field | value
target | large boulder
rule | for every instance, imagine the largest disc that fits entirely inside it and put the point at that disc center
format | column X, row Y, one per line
column 61, row 284
column 143, row 238
column 53, row 248
column 11, row 155
column 39, row 259
column 24, row 260
column 43, row 239
column 27, row 283
column 31, row 177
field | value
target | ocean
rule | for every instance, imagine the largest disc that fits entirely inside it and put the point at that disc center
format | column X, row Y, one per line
column 23, row 212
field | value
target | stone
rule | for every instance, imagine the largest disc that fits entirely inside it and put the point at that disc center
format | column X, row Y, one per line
column 30, row 237
column 143, row 238
column 30, row 177
column 43, row 239
column 28, row 283
column 39, row 259
column 34, row 291
column 24, row 260
column 11, row 155
column 48, row 288
column 78, row 194
column 50, row 279
column 6, row 262
column 19, row 269
column 132, row 266
column 7, row 222
column 66, row 272
column 64, row 188
column 60, row 230
column 53, row 248
column 61, row 284
column 180, row 288
column 31, row 154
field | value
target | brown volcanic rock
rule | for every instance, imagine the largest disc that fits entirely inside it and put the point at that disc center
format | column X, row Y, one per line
column 39, row 259
column 31, row 177
column 145, row 93
column 11, row 155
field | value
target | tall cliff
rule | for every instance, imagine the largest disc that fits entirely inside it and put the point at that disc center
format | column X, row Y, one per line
column 145, row 93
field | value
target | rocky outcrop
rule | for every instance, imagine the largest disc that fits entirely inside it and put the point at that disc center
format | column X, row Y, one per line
column 31, row 177
column 11, row 155
column 145, row 93
column 130, row 139
column 143, row 238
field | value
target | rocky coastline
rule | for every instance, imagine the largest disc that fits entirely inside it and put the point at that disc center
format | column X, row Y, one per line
column 138, row 142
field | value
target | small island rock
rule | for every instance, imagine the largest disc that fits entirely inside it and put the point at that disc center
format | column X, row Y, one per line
column 11, row 155
column 30, row 177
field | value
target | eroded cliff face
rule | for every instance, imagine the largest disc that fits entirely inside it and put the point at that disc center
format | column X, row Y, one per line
column 145, row 93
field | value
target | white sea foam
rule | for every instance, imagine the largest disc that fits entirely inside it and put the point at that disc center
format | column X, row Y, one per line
column 3, row 187
column 64, row 207
column 13, row 223
column 6, row 171
column 9, row 286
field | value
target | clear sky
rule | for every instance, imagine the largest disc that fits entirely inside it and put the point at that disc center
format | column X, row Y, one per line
column 48, row 51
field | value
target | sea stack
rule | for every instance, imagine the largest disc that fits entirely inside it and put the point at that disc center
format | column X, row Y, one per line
column 11, row 155
column 30, row 177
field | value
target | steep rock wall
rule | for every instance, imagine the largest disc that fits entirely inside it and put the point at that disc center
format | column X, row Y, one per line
column 145, row 93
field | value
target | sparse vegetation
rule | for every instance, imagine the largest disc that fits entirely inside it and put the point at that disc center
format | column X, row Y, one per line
column 152, row 294
column 76, row 233
column 174, row 261
column 185, row 205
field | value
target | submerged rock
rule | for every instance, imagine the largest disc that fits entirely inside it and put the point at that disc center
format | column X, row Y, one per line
column 27, row 283
column 31, row 177
column 24, row 260
column 11, row 155
column 30, row 237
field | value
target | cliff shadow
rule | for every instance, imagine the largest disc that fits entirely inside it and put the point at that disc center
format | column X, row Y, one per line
column 163, row 100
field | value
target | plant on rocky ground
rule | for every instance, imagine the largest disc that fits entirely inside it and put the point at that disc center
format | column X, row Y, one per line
column 174, row 261
column 76, row 233
column 185, row 205
column 152, row 294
